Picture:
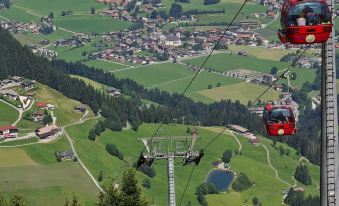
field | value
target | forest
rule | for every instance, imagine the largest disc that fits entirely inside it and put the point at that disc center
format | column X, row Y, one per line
column 19, row 60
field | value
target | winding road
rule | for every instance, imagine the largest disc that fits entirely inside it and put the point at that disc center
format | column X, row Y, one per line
column 274, row 169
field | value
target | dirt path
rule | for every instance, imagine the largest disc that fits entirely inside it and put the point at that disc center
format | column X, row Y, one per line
column 274, row 169
column 236, row 138
column 17, row 109
column 81, row 163
column 157, row 85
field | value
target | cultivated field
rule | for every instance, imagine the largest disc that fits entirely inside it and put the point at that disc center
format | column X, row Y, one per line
column 241, row 91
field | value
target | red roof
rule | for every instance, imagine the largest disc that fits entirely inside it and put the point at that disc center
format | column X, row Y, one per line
column 254, row 141
column 8, row 127
column 41, row 104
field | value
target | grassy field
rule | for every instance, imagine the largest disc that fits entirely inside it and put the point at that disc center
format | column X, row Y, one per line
column 201, row 83
column 252, row 161
column 29, row 38
column 64, row 110
column 8, row 115
column 104, row 65
column 241, row 91
column 89, row 24
column 230, row 6
column 261, row 53
column 19, row 142
column 34, row 172
column 226, row 62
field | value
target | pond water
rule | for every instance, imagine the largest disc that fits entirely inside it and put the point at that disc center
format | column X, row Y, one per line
column 221, row 179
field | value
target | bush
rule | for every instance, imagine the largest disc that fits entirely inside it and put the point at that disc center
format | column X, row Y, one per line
column 242, row 183
column 227, row 156
column 92, row 135
column 149, row 171
column 302, row 174
column 113, row 150
column 146, row 183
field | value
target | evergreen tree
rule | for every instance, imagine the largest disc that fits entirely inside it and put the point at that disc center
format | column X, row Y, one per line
column 92, row 10
column 146, row 183
column 111, row 198
column 176, row 10
column 92, row 135
column 302, row 174
column 255, row 201
column 227, row 155
column 130, row 193
column 47, row 119
column 274, row 70
column 101, row 176
column 75, row 202
column 242, row 183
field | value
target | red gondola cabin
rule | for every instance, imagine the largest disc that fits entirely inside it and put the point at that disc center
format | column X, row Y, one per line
column 279, row 120
column 305, row 22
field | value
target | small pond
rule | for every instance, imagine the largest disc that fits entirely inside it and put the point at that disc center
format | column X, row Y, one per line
column 222, row 179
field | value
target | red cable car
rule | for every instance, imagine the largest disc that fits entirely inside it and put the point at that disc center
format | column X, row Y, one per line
column 279, row 120
column 305, row 22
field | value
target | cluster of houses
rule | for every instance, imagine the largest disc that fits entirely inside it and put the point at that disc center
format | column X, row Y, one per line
column 19, row 27
column 254, row 140
column 9, row 90
column 48, row 53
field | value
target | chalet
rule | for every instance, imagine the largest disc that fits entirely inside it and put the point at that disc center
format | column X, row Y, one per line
column 255, row 142
column 268, row 78
column 65, row 155
column 27, row 85
column 113, row 91
column 50, row 106
column 80, row 108
column 45, row 42
column 41, row 105
column 38, row 116
column 6, row 82
column 17, row 79
column 11, row 94
column 65, row 42
column 237, row 128
column 45, row 132
column 256, row 110
column 8, row 131
column 172, row 40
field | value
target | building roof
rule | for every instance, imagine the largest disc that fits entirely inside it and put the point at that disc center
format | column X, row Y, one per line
column 47, row 129
column 239, row 128
column 81, row 106
column 41, row 104
column 255, row 141
column 172, row 38
column 8, row 127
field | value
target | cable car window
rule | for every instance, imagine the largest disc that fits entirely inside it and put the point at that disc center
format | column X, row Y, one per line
column 280, row 115
column 309, row 14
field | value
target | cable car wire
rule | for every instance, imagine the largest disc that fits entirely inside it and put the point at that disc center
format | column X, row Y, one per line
column 189, row 179
column 225, row 128
column 196, row 74
column 281, row 76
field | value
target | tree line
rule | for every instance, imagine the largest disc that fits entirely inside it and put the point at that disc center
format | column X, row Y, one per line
column 217, row 113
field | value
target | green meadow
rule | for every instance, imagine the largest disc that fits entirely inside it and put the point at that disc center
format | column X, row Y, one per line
column 252, row 161
column 33, row 172
column 8, row 115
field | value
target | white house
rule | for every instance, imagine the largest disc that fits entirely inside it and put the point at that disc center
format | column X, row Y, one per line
column 172, row 40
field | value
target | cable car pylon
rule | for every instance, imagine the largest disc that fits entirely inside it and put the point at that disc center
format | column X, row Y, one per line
column 329, row 186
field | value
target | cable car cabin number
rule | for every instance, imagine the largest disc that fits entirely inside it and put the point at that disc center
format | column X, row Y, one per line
column 305, row 22
column 279, row 120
